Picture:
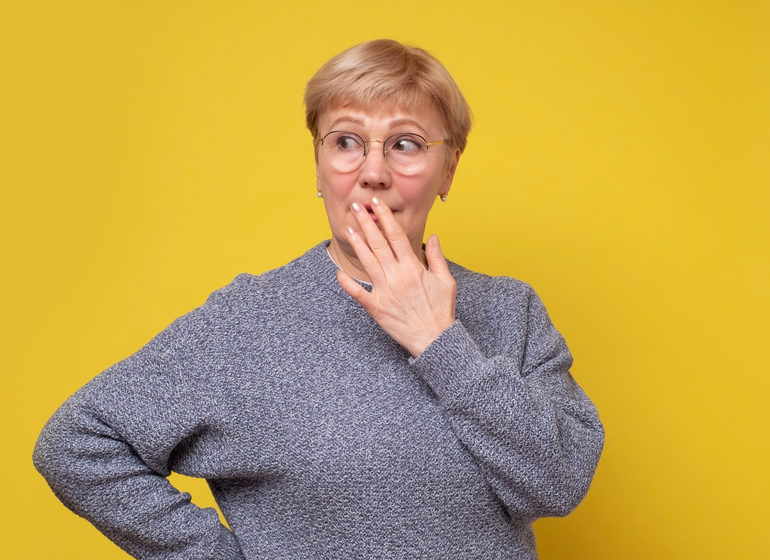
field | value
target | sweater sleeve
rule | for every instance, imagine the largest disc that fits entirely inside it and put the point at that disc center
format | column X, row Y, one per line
column 533, row 431
column 106, row 453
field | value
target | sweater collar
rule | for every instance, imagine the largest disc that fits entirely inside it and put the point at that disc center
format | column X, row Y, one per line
column 323, row 269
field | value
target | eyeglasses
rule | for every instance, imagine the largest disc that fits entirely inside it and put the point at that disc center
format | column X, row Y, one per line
column 405, row 152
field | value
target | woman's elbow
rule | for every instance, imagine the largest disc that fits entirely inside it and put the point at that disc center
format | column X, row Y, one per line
column 55, row 455
column 575, row 478
column 566, row 482
column 48, row 456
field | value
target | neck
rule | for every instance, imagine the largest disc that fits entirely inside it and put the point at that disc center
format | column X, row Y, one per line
column 345, row 258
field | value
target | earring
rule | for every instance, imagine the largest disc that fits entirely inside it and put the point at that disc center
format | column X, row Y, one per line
column 442, row 197
column 319, row 194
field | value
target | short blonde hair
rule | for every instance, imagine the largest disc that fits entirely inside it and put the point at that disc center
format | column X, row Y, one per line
column 385, row 71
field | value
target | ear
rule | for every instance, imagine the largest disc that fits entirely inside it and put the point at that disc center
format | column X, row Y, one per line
column 453, row 160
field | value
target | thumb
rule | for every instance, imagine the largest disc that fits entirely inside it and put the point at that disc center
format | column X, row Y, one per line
column 436, row 260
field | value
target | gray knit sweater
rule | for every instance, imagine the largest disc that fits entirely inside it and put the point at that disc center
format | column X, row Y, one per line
column 321, row 437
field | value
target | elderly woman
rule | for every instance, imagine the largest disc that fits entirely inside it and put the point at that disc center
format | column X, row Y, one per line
column 366, row 400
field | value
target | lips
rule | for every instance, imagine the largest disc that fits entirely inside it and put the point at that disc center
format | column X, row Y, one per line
column 370, row 210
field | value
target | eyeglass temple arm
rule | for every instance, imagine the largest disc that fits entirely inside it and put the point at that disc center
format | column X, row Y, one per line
column 429, row 144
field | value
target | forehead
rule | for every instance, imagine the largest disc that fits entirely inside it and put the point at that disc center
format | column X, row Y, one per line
column 382, row 118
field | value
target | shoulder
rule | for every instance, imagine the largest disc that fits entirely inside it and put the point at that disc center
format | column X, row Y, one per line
column 499, row 291
column 242, row 307
column 501, row 308
column 249, row 293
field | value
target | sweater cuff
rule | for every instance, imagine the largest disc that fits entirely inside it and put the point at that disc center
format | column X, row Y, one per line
column 451, row 364
column 227, row 546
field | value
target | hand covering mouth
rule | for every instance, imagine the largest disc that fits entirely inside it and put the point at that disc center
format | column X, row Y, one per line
column 370, row 209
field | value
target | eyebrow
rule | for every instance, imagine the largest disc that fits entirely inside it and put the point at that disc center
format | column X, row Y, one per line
column 392, row 124
column 345, row 119
column 399, row 122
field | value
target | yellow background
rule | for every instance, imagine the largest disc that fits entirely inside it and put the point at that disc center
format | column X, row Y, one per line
column 619, row 162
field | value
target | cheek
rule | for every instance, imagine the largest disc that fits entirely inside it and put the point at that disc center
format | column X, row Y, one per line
column 418, row 198
column 421, row 196
column 335, row 188
column 416, row 190
column 340, row 184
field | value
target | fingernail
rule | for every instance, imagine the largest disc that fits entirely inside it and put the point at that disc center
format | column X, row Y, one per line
column 375, row 201
column 356, row 207
column 350, row 230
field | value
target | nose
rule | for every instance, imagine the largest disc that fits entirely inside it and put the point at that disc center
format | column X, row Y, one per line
column 374, row 172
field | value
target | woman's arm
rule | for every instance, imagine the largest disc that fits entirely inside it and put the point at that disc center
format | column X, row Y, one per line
column 519, row 413
column 529, row 426
column 106, row 453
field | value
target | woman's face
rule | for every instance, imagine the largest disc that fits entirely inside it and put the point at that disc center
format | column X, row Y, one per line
column 410, row 196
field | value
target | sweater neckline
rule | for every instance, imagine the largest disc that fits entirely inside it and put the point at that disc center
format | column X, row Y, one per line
column 362, row 282
column 323, row 269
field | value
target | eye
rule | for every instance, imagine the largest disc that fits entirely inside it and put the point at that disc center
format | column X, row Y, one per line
column 348, row 142
column 407, row 144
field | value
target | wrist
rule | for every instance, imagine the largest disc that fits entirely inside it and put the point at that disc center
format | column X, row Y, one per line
column 418, row 344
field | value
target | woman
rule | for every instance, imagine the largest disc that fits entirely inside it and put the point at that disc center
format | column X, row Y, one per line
column 366, row 400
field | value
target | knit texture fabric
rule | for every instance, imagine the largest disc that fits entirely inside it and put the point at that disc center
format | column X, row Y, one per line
column 321, row 438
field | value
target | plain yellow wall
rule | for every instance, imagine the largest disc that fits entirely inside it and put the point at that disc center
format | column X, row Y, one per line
column 152, row 150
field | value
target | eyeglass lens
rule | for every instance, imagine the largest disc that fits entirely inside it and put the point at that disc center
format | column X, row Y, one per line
column 405, row 152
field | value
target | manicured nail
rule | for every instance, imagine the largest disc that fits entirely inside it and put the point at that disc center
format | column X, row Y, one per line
column 375, row 201
column 350, row 230
column 356, row 207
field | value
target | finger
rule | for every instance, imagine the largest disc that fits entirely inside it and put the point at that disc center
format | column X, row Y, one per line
column 365, row 255
column 377, row 242
column 395, row 234
column 437, row 262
